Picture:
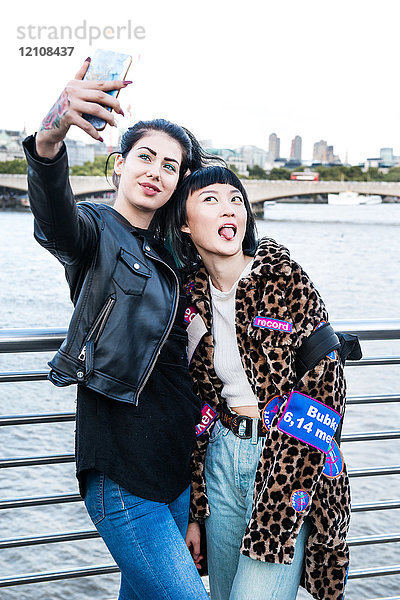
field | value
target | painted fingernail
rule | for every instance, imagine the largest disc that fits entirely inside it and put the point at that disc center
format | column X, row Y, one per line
column 121, row 112
column 88, row 59
column 100, row 139
column 127, row 82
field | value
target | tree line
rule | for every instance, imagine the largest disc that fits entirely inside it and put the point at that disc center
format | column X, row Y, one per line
column 335, row 173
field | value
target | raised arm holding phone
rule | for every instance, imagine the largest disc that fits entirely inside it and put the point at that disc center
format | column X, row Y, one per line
column 126, row 343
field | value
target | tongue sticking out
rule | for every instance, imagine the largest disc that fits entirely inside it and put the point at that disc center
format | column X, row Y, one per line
column 227, row 233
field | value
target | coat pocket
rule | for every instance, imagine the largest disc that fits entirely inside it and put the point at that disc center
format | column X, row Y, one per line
column 131, row 273
column 86, row 354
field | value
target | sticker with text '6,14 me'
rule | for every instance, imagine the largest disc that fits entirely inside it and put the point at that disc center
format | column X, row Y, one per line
column 310, row 421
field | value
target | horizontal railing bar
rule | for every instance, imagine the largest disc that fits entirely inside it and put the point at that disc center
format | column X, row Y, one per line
column 61, row 499
column 31, row 340
column 36, row 419
column 373, row 539
column 30, row 461
column 30, row 578
column 375, row 572
column 46, row 339
column 51, row 538
column 53, row 459
column 354, row 400
column 57, row 575
column 20, row 376
column 371, row 329
column 387, row 598
column 66, row 498
column 368, row 436
column 374, row 471
column 73, row 536
column 66, row 417
column 374, row 360
column 23, row 376
column 380, row 505
column 70, row 416
column 39, row 501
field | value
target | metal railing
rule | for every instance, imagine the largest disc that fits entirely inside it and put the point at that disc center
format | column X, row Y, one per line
column 35, row 340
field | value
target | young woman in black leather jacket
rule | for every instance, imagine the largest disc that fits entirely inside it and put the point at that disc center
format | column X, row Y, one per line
column 126, row 345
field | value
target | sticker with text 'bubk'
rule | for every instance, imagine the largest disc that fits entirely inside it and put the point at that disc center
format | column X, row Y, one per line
column 208, row 416
column 310, row 421
column 275, row 324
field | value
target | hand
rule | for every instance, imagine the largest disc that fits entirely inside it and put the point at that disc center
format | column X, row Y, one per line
column 193, row 543
column 79, row 96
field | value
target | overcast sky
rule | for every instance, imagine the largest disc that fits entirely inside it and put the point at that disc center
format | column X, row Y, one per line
column 230, row 71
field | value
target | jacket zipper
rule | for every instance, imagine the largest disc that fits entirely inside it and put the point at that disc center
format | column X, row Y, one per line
column 97, row 328
column 166, row 332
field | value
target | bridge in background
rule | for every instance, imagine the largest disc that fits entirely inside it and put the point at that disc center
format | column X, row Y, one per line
column 258, row 191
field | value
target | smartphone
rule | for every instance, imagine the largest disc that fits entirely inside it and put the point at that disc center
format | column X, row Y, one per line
column 105, row 66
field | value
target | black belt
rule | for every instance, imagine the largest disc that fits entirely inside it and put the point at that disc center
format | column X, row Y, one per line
column 241, row 425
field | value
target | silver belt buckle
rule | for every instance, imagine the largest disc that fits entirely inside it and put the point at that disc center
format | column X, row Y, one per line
column 242, row 428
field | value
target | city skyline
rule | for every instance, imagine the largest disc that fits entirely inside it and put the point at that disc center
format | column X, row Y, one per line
column 241, row 157
column 226, row 72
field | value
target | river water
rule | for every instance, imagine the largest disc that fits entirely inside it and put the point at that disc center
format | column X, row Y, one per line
column 353, row 256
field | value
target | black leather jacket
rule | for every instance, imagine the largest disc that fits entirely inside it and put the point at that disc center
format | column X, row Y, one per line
column 125, row 295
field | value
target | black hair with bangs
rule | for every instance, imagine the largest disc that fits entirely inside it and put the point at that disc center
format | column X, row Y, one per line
column 175, row 217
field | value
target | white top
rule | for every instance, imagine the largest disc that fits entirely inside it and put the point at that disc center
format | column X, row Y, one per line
column 227, row 362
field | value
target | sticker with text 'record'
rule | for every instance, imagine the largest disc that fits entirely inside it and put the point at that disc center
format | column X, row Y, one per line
column 275, row 324
column 310, row 421
column 208, row 416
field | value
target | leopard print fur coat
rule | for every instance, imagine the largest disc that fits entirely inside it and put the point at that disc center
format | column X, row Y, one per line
column 278, row 288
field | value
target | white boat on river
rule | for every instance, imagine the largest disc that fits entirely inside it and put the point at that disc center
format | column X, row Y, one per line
column 352, row 198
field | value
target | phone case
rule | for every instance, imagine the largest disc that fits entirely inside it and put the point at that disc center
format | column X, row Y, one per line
column 105, row 66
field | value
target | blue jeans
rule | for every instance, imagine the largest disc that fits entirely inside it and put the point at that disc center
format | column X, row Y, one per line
column 230, row 469
column 146, row 540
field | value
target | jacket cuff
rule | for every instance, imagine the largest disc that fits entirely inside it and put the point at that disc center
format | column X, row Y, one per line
column 29, row 146
column 327, row 581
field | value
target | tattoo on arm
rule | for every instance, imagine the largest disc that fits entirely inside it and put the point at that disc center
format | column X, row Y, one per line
column 55, row 114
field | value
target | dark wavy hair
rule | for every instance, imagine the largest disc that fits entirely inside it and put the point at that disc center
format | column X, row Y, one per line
column 179, row 243
column 193, row 155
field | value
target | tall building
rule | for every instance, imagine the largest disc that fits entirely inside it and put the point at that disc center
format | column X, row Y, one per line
column 330, row 157
column 252, row 155
column 387, row 158
column 295, row 149
column 325, row 154
column 274, row 147
column 78, row 152
column 11, row 144
column 320, row 152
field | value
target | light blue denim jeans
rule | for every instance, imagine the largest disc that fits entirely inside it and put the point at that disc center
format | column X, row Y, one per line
column 230, row 468
column 146, row 540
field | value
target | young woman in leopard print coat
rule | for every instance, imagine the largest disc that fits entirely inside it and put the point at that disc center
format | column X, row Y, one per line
column 285, row 487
